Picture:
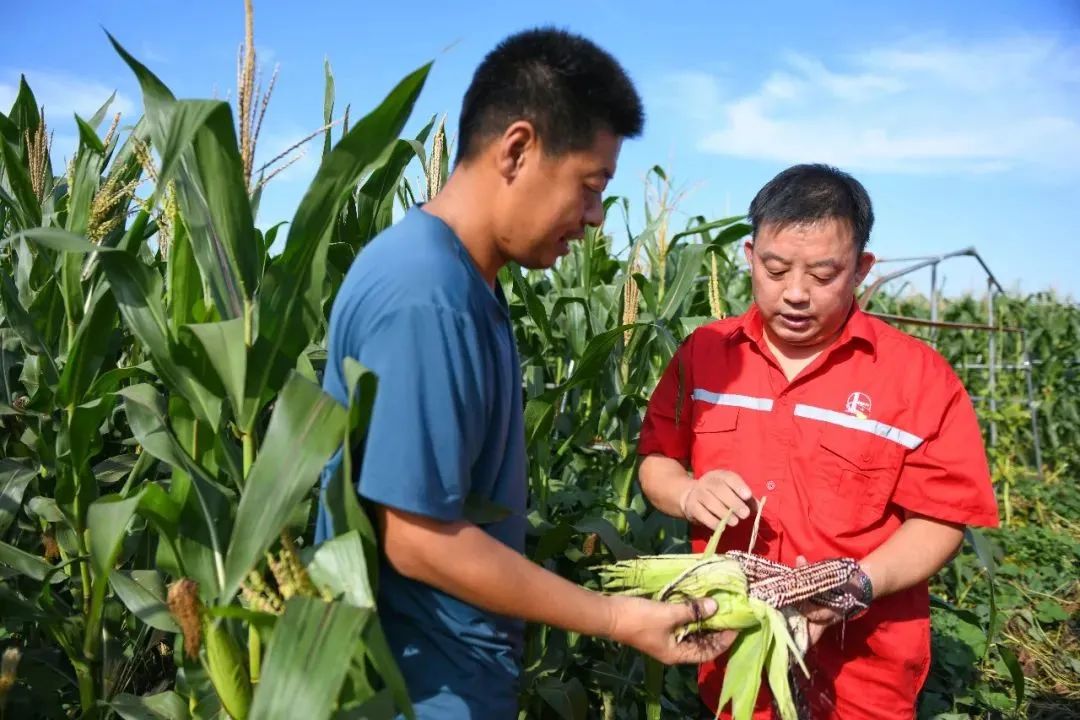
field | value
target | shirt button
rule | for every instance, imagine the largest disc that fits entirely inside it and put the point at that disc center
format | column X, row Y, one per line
column 770, row 485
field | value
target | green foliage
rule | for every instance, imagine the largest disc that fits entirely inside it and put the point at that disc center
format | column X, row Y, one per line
column 160, row 429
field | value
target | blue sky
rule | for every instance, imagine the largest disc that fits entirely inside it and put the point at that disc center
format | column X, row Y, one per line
column 962, row 119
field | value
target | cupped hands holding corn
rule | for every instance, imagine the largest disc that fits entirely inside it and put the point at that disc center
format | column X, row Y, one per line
column 655, row 629
column 762, row 638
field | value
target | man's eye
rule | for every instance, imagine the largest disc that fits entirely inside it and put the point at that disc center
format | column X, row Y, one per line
column 775, row 273
column 824, row 279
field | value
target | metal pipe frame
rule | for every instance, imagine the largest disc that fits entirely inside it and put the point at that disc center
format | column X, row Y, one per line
column 993, row 288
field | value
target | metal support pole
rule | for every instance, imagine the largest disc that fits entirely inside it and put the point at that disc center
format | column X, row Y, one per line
column 1032, row 407
column 933, row 302
column 991, row 361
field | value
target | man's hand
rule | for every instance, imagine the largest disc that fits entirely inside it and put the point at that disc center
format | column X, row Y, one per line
column 651, row 627
column 818, row 618
column 709, row 499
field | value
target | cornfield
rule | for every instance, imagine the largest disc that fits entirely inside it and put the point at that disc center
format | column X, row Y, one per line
column 162, row 429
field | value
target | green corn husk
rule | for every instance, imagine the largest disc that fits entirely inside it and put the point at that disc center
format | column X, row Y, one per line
column 225, row 666
column 764, row 644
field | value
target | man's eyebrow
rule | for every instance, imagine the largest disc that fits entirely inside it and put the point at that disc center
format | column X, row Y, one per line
column 768, row 255
column 828, row 262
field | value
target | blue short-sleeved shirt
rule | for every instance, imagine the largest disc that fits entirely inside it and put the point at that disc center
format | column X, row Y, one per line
column 446, row 425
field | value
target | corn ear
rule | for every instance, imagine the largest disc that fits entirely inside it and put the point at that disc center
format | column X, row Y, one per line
column 225, row 666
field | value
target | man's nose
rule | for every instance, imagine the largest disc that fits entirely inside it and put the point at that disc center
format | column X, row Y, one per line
column 594, row 212
column 795, row 291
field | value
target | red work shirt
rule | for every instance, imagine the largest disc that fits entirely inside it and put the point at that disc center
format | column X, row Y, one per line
column 877, row 426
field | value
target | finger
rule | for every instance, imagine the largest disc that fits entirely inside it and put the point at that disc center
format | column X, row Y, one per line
column 702, row 647
column 728, row 496
column 692, row 611
column 725, row 478
column 820, row 615
column 713, row 505
column 800, row 561
column 737, row 484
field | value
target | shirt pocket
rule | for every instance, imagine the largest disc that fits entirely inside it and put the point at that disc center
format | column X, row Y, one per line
column 854, row 475
column 711, row 418
column 714, row 428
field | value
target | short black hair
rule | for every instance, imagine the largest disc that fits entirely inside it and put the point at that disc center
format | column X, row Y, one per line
column 808, row 193
column 565, row 85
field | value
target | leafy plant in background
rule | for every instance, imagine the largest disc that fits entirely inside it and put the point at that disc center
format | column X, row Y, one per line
column 163, row 427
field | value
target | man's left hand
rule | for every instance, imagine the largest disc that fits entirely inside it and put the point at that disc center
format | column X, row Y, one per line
column 818, row 618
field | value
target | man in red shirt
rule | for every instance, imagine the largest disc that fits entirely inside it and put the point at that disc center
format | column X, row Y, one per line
column 859, row 439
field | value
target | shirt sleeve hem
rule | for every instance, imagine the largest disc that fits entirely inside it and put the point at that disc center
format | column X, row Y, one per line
column 655, row 447
column 951, row 512
column 450, row 511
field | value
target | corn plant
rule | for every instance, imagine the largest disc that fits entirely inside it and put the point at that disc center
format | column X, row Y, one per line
column 162, row 426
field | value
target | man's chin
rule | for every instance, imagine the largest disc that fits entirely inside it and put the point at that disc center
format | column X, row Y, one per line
column 792, row 337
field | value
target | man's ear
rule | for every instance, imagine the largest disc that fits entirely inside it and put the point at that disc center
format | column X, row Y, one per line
column 866, row 261
column 748, row 250
column 512, row 148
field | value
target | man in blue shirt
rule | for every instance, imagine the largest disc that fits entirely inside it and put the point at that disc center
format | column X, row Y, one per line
column 540, row 131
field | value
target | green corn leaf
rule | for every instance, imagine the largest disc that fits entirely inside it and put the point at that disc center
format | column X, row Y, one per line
column 381, row 186
column 87, row 353
column 691, row 264
column 26, row 564
column 97, row 118
column 305, row 429
column 225, row 349
column 609, row 536
column 342, row 504
column 183, row 286
column 26, row 205
column 378, row 652
column 14, row 477
column 146, row 413
column 289, row 312
column 143, row 593
column 339, row 564
column 328, row 104
column 216, row 209
column 732, row 230
column 107, row 522
column 566, row 698
column 532, row 304
column 1016, row 672
column 21, row 322
column 197, row 143
column 24, row 111
column 138, row 291
column 162, row 706
column 304, row 669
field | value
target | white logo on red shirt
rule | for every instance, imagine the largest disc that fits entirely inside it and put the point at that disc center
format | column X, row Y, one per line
column 858, row 404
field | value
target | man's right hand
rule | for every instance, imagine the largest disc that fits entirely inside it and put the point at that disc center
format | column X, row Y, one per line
column 651, row 627
column 707, row 500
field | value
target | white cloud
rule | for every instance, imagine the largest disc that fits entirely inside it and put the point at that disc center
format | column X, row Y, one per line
column 64, row 94
column 917, row 106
